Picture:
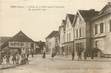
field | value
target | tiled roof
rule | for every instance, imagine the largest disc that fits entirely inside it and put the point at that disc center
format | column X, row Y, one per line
column 106, row 6
column 71, row 17
column 53, row 34
column 104, row 11
column 88, row 14
column 4, row 39
column 40, row 42
column 19, row 37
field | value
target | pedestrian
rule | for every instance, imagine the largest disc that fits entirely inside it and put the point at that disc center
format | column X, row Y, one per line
column 1, row 59
column 17, row 58
column 22, row 59
column 25, row 59
column 7, row 59
column 14, row 58
column 94, row 51
column 53, row 54
column 44, row 52
column 85, row 55
column 92, row 54
column 80, row 50
column 44, row 55
column 27, row 55
column 73, row 55
column 79, row 55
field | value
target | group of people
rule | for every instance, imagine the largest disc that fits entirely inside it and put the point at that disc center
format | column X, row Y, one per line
column 53, row 54
column 81, row 53
column 14, row 59
column 85, row 53
column 18, row 58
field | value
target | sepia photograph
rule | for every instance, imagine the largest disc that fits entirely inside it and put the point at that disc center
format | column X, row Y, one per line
column 55, row 36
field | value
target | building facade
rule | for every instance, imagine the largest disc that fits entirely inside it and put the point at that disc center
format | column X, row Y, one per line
column 62, row 36
column 20, row 43
column 101, row 30
column 82, row 30
column 68, row 41
column 52, row 42
column 89, row 30
column 39, row 46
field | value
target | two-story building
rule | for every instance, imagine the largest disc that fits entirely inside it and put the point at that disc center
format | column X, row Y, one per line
column 82, row 29
column 52, row 42
column 101, row 30
column 85, row 30
column 19, row 43
column 68, row 42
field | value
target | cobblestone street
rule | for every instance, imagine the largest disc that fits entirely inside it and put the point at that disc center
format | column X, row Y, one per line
column 61, row 65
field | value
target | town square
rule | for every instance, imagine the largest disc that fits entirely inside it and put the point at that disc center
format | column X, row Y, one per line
column 61, row 65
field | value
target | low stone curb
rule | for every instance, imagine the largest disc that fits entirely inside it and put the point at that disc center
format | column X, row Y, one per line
column 7, row 66
column 10, row 66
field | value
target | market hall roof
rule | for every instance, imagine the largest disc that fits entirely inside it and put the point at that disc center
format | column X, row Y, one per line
column 19, row 37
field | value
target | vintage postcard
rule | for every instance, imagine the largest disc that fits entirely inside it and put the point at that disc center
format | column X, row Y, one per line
column 55, row 36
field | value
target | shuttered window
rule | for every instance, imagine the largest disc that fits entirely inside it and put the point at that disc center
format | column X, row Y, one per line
column 101, row 28
column 110, row 25
column 96, row 29
column 76, row 33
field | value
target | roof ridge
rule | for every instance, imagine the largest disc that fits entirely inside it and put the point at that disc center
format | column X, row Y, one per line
column 53, row 33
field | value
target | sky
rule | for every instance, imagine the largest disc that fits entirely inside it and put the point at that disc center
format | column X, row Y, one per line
column 38, row 18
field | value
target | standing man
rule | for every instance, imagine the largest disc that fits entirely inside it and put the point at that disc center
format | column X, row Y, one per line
column 80, row 51
column 73, row 54
column 44, row 52
column 85, row 54
column 14, row 58
column 53, row 53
